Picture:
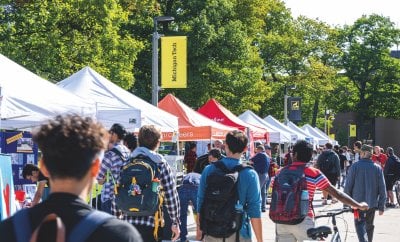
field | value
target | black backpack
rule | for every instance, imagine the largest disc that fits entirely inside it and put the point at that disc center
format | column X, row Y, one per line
column 327, row 164
column 139, row 191
column 286, row 206
column 220, row 215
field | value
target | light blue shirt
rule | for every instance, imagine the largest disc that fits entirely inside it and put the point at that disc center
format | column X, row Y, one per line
column 248, row 189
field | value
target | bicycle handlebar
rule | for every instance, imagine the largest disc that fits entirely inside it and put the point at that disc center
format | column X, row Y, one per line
column 334, row 212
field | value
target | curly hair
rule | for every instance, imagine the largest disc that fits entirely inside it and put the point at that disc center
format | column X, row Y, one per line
column 69, row 144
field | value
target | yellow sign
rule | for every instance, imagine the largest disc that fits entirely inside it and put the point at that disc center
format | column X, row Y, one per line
column 332, row 136
column 173, row 62
column 352, row 130
column 14, row 138
column 295, row 105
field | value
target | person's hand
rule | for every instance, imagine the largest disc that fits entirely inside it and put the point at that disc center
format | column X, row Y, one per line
column 363, row 206
column 175, row 232
column 380, row 212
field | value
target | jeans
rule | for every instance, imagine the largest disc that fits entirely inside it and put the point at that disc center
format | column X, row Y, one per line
column 263, row 179
column 106, row 206
column 187, row 193
column 365, row 225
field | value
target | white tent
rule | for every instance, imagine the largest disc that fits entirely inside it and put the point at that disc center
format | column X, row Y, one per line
column 294, row 134
column 275, row 135
column 310, row 138
column 28, row 100
column 323, row 138
column 115, row 104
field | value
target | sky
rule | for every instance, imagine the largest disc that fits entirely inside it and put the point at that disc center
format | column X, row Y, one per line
column 340, row 12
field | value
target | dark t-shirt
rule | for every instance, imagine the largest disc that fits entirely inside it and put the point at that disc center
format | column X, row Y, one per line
column 71, row 209
column 342, row 159
column 43, row 178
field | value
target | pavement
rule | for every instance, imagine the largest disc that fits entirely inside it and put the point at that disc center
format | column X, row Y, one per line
column 386, row 226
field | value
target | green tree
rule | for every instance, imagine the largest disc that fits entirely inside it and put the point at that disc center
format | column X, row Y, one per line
column 56, row 38
column 367, row 63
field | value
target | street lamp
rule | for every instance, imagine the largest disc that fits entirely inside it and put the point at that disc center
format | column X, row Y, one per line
column 285, row 97
column 154, row 67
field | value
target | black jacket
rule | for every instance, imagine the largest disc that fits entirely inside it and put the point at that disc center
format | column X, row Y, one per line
column 71, row 209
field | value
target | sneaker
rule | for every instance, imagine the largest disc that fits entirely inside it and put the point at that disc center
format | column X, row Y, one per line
column 263, row 210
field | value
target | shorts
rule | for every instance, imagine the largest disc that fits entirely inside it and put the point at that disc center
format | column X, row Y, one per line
column 389, row 182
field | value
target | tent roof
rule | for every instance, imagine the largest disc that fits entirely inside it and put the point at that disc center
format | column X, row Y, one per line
column 28, row 100
column 276, row 135
column 323, row 139
column 111, row 99
column 314, row 141
column 193, row 125
column 215, row 111
column 294, row 134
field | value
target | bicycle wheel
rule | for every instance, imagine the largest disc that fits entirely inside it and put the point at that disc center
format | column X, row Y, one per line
column 397, row 190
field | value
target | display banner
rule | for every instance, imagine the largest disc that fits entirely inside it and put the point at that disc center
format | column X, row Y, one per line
column 174, row 62
column 7, row 197
column 294, row 107
column 352, row 130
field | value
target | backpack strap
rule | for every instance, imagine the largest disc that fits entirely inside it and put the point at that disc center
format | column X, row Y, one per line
column 22, row 226
column 220, row 165
column 88, row 225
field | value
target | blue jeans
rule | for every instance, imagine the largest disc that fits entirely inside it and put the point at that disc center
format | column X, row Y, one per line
column 263, row 179
column 365, row 225
column 187, row 193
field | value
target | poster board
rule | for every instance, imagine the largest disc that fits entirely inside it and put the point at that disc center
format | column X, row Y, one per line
column 22, row 150
column 7, row 199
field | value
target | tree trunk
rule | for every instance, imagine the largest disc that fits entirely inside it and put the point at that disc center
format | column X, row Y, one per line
column 315, row 112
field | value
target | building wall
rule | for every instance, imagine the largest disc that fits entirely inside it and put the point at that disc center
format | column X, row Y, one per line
column 387, row 133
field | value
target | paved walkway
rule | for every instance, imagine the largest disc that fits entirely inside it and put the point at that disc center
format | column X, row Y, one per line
column 386, row 226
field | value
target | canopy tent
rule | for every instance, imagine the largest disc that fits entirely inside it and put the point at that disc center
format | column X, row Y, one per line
column 28, row 100
column 323, row 139
column 294, row 134
column 334, row 142
column 309, row 138
column 215, row 111
column 193, row 125
column 275, row 135
column 115, row 104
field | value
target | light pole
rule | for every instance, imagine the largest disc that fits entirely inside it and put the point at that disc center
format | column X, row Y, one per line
column 154, row 67
column 285, row 97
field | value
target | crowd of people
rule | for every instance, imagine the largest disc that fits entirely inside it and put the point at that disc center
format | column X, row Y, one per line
column 77, row 150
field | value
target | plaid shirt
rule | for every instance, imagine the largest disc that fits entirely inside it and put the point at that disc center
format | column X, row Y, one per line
column 111, row 163
column 171, row 199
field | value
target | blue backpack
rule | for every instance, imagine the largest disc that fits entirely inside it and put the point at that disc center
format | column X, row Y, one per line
column 81, row 231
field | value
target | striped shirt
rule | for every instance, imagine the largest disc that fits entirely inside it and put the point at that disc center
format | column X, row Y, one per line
column 111, row 163
column 315, row 180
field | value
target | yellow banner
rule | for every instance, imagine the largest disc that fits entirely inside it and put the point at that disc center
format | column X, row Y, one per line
column 332, row 136
column 352, row 130
column 173, row 62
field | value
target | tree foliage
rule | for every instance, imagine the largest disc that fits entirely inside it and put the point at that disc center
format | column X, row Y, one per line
column 56, row 38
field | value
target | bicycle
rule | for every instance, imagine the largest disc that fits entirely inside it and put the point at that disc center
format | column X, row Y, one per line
column 322, row 232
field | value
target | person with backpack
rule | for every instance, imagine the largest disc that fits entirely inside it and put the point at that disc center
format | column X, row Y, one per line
column 145, row 184
column 391, row 173
column 111, row 165
column 293, row 192
column 72, row 148
column 229, row 196
column 329, row 164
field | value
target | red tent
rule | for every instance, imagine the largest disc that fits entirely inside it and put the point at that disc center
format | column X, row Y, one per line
column 193, row 125
column 215, row 111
